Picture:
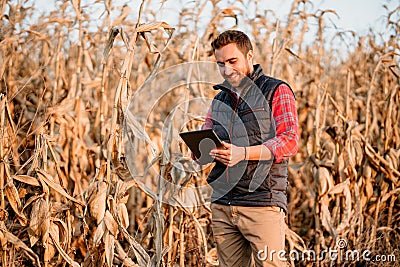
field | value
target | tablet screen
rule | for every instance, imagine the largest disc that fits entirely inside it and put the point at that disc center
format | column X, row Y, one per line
column 201, row 143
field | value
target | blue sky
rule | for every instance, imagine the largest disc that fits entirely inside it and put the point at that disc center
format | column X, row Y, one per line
column 356, row 15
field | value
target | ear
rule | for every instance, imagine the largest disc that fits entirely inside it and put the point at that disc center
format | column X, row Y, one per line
column 250, row 55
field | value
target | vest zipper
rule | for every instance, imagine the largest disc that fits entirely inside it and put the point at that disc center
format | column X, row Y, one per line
column 230, row 134
column 252, row 111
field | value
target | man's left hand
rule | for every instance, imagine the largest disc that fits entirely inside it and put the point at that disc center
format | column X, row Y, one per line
column 230, row 155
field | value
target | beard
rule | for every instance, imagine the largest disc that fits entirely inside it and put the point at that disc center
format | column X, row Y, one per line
column 236, row 77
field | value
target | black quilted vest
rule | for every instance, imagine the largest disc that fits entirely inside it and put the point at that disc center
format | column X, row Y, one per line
column 247, row 121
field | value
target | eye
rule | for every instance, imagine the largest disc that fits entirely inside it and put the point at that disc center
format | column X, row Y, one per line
column 221, row 64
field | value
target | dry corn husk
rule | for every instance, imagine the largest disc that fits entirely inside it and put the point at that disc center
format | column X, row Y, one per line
column 123, row 215
column 12, row 195
column 325, row 180
column 98, row 234
column 109, row 241
column 111, row 223
column 50, row 248
column 26, row 179
column 40, row 222
column 97, row 201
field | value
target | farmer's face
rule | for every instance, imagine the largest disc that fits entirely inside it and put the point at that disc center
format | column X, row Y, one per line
column 233, row 64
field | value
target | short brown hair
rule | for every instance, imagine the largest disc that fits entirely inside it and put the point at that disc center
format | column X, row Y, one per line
column 239, row 38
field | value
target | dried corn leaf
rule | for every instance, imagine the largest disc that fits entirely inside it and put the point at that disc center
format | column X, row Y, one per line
column 76, row 5
column 391, row 163
column 3, row 241
column 40, row 221
column 359, row 153
column 123, row 256
column 139, row 132
column 97, row 201
column 390, row 194
column 45, row 187
column 62, row 252
column 326, row 217
column 152, row 48
column 325, row 181
column 292, row 53
column 124, row 198
column 17, row 242
column 188, row 198
column 32, row 199
column 15, row 202
column 139, row 184
column 343, row 188
column 110, row 42
column 98, row 234
column 62, row 230
column 140, row 253
column 153, row 26
column 26, row 179
column 110, row 222
column 123, row 215
column 369, row 188
column 395, row 158
column 50, row 248
column 109, row 241
column 88, row 61
column 178, row 173
column 295, row 239
column 46, row 178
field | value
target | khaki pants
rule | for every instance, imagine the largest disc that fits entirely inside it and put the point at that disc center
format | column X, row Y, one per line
column 248, row 235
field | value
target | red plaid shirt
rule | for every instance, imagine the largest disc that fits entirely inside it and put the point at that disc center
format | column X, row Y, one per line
column 284, row 144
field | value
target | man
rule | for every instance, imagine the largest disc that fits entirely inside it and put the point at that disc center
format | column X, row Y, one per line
column 255, row 116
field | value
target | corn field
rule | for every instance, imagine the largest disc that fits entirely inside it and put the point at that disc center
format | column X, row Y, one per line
column 74, row 192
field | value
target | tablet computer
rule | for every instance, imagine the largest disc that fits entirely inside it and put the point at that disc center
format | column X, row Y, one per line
column 201, row 142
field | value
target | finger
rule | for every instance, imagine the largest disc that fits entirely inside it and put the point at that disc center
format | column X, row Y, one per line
column 226, row 156
column 225, row 151
column 219, row 151
column 223, row 160
column 226, row 145
column 221, row 154
column 214, row 153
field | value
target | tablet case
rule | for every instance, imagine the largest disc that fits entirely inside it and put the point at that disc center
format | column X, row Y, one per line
column 201, row 142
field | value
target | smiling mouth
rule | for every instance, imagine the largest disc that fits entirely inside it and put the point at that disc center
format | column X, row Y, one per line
column 232, row 77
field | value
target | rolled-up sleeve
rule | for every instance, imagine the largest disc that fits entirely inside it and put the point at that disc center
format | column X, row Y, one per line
column 285, row 143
